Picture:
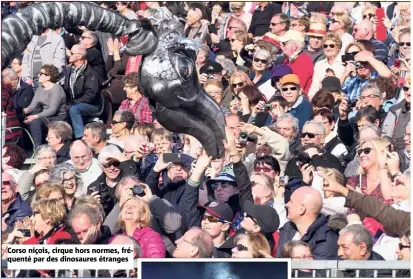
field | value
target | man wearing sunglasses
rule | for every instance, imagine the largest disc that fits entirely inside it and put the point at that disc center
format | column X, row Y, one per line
column 299, row 106
column 280, row 24
column 89, row 41
column 299, row 61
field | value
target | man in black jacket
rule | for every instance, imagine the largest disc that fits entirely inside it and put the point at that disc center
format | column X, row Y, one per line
column 89, row 40
column 82, row 89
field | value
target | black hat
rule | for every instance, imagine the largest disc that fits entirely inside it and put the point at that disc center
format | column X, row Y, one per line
column 331, row 83
column 326, row 160
column 220, row 209
column 266, row 216
column 211, row 67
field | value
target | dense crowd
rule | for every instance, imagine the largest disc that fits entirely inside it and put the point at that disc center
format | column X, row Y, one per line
column 316, row 97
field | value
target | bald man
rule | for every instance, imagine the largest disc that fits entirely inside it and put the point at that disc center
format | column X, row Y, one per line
column 13, row 207
column 195, row 243
column 127, row 240
column 307, row 224
column 364, row 30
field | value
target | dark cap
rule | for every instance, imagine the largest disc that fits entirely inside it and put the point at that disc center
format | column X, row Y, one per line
column 211, row 67
column 279, row 71
column 266, row 216
column 220, row 209
column 331, row 83
column 326, row 161
column 186, row 161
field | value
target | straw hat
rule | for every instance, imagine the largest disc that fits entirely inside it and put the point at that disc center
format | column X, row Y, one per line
column 317, row 30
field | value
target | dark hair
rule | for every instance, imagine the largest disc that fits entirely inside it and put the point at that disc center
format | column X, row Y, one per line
column 368, row 45
column 369, row 113
column 288, row 247
column 97, row 129
column 337, row 222
column 323, row 99
column 279, row 99
column 269, row 160
column 253, row 94
column 284, row 19
column 19, row 57
column 131, row 79
column 16, row 154
column 201, row 7
column 325, row 113
column 386, row 85
column 127, row 117
column 223, row 5
column 52, row 72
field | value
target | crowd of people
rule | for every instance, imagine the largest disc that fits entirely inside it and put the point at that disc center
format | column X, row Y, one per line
column 316, row 97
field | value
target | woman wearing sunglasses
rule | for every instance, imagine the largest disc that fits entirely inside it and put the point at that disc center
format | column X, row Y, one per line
column 250, row 245
column 238, row 40
column 251, row 102
column 340, row 25
column 261, row 63
column 237, row 82
column 331, row 44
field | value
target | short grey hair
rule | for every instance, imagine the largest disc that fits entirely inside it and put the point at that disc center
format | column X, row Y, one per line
column 57, row 174
column 94, row 37
column 9, row 75
column 227, row 64
column 320, row 126
column 110, row 151
column 125, row 180
column 41, row 149
column 372, row 85
column 371, row 126
column 97, row 129
column 92, row 212
column 203, row 241
column 263, row 52
column 360, row 234
column 293, row 120
column 82, row 51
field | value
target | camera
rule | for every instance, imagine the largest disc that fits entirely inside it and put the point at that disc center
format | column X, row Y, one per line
column 210, row 76
column 267, row 106
column 348, row 57
column 243, row 137
column 138, row 190
column 351, row 104
column 284, row 180
column 148, row 148
column 25, row 232
column 302, row 157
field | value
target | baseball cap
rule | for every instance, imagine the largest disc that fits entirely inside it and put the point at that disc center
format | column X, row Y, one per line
column 331, row 83
column 219, row 209
column 211, row 67
column 291, row 78
column 278, row 71
column 266, row 216
column 227, row 176
column 292, row 35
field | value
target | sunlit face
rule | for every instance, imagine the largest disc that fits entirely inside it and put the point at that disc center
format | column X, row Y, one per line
column 289, row 48
column 237, row 85
column 132, row 211
column 311, row 134
column 40, row 226
column 276, row 26
column 400, row 190
column 47, row 158
column 348, row 250
column 406, row 91
column 327, row 125
column 295, row 25
column 74, row 54
column 285, row 129
column 223, row 191
column 233, row 126
column 184, row 247
column 260, row 191
column 267, row 169
column 89, row 138
column 331, row 48
column 368, row 161
column 52, row 139
column 404, row 45
column 236, row 44
column 242, row 249
column 16, row 66
column 81, row 157
column 56, row 195
column 130, row 91
column 232, row 28
column 237, row 10
column 215, row 92
column 403, row 254
column 80, row 226
column 192, row 17
column 214, row 229
column 8, row 188
column 359, row 32
column 370, row 97
column 260, row 63
column 70, row 183
column 301, row 252
column 162, row 145
column 40, row 179
column 315, row 42
column 111, row 169
column 295, row 208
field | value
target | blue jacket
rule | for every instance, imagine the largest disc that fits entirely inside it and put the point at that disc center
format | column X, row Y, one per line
column 265, row 76
column 302, row 110
column 18, row 210
column 320, row 237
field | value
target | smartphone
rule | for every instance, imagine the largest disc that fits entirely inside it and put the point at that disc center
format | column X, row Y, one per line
column 397, row 63
column 172, row 158
column 25, row 232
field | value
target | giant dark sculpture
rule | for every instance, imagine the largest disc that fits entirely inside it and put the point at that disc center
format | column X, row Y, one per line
column 167, row 76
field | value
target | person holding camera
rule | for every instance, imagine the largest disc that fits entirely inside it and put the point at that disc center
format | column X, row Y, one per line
column 361, row 66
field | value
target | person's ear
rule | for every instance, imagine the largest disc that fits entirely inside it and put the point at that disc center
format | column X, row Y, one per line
column 363, row 249
column 225, row 227
column 256, row 228
column 377, row 122
column 194, row 251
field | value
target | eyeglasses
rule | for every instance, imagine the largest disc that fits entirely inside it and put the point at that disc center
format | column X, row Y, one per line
column 184, row 240
column 84, row 37
column 358, row 29
column 246, row 215
column 114, row 122
column 336, row 14
column 309, row 135
column 42, row 74
column 241, row 247
column 47, row 158
column 111, row 162
column 368, row 15
column 372, row 96
column 405, row 88
column 35, row 212
column 128, row 152
column 66, row 181
column 276, row 23
column 263, row 61
column 329, row 45
column 366, row 151
column 213, row 219
column 78, row 158
column 305, row 257
column 6, row 183
column 285, row 89
column 402, row 44
column 232, row 27
column 401, row 246
column 223, row 185
column 264, row 169
column 239, row 84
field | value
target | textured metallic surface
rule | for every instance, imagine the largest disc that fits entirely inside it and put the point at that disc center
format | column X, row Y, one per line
column 167, row 76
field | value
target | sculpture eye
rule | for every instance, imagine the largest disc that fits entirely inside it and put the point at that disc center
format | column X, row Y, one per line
column 184, row 67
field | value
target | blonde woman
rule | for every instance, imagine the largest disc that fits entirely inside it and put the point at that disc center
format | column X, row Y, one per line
column 332, row 45
column 237, row 82
column 135, row 220
column 237, row 9
column 341, row 25
column 51, row 191
column 250, row 245
column 238, row 40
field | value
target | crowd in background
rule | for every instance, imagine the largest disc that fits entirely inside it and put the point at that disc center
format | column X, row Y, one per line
column 316, row 97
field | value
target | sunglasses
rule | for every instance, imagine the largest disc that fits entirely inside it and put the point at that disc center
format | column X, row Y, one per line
column 42, row 74
column 233, row 40
column 246, row 215
column 372, row 96
column 213, row 219
column 224, row 185
column 401, row 246
column 285, row 89
column 239, row 84
column 404, row 44
column 263, row 61
column 114, row 122
column 264, row 169
column 84, row 37
column 368, row 15
column 111, row 162
column 366, row 151
column 241, row 247
column 329, row 45
column 276, row 23
column 405, row 88
column 36, row 212
column 310, row 135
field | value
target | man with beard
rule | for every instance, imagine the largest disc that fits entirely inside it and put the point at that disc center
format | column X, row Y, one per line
column 167, row 179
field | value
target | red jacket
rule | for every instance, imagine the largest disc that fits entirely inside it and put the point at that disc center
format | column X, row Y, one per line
column 59, row 234
column 303, row 67
column 11, row 117
column 150, row 242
